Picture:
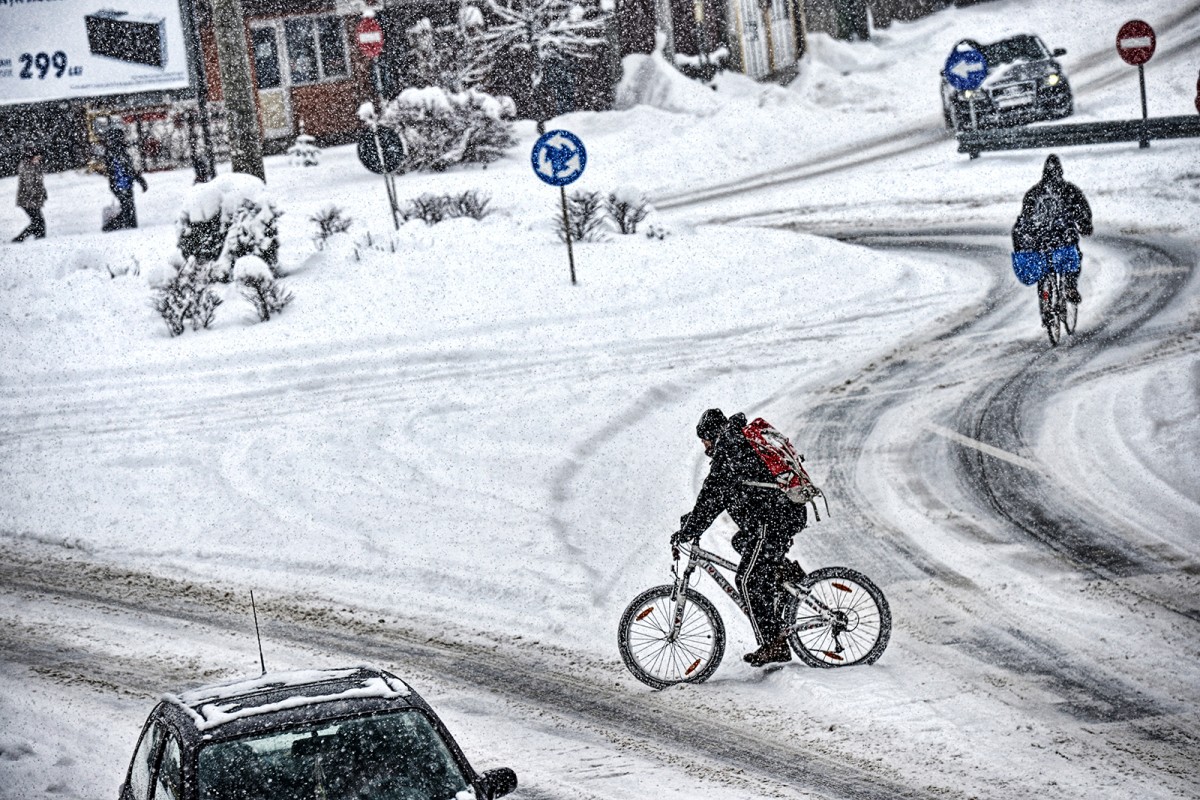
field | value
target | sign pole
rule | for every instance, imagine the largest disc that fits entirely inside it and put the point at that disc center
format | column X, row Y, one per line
column 1144, row 141
column 558, row 158
column 388, row 181
column 562, row 191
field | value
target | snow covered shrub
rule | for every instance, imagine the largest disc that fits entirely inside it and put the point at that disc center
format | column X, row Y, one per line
column 330, row 221
column 226, row 218
column 187, row 297
column 656, row 232
column 440, row 129
column 585, row 211
column 434, row 208
column 627, row 207
column 258, row 284
column 470, row 204
column 304, row 150
column 429, row 208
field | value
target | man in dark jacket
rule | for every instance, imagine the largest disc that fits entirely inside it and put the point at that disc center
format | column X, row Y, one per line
column 31, row 193
column 1053, row 214
column 767, row 522
column 118, row 166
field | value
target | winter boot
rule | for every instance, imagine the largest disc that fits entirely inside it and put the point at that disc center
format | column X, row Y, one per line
column 775, row 652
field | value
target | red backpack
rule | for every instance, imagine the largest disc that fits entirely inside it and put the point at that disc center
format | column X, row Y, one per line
column 784, row 463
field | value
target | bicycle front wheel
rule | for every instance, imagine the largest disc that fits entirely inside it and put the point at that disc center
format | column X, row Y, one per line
column 839, row 619
column 1051, row 316
column 658, row 659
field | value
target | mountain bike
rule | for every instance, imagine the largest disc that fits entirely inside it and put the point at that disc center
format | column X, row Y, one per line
column 833, row 617
column 1058, row 313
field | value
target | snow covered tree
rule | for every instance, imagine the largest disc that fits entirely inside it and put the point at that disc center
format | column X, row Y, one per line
column 542, row 40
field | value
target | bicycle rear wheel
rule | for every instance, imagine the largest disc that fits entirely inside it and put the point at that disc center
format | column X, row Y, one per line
column 1050, row 302
column 840, row 619
column 650, row 654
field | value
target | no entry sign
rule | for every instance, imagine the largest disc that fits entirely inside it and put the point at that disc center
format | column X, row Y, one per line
column 1135, row 42
column 370, row 37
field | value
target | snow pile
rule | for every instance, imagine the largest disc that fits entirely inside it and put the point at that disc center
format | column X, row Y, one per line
column 648, row 80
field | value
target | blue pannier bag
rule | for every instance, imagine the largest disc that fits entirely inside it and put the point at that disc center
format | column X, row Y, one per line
column 1029, row 266
column 1065, row 260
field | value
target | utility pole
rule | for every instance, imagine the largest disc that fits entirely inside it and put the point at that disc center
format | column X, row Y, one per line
column 245, row 139
column 662, row 15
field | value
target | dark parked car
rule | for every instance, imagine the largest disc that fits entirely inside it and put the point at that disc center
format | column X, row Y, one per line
column 1024, row 83
column 333, row 734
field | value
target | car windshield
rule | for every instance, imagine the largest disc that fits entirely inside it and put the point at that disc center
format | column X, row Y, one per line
column 1018, row 48
column 396, row 756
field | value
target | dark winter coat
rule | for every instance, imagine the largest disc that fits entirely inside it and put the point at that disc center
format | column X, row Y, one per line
column 1053, row 213
column 31, row 188
column 734, row 462
column 118, row 166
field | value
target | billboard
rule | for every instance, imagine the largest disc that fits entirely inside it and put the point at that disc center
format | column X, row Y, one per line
column 60, row 49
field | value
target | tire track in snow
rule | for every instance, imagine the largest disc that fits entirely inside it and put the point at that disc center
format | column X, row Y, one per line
column 533, row 677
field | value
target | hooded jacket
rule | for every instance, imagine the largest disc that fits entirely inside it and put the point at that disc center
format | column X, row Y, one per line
column 733, row 462
column 1053, row 213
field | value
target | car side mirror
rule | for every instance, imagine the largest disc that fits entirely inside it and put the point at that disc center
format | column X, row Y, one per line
column 1060, row 51
column 498, row 782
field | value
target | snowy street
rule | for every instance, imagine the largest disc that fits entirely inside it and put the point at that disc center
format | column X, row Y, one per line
column 445, row 460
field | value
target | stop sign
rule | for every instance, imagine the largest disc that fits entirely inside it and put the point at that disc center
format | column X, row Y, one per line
column 1135, row 42
column 370, row 37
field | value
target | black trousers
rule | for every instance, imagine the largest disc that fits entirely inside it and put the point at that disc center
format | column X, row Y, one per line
column 36, row 227
column 763, row 552
column 127, row 216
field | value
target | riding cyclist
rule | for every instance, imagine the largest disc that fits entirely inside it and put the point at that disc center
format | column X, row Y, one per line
column 767, row 522
column 1053, row 215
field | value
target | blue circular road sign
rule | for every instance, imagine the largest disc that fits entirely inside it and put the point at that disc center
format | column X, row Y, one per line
column 558, row 158
column 965, row 69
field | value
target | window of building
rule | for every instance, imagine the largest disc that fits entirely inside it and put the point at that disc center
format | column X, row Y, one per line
column 316, row 49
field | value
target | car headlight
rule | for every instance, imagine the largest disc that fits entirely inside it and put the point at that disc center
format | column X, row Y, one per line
column 969, row 93
column 1052, row 79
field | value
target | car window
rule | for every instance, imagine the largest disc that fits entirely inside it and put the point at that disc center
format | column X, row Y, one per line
column 143, row 761
column 395, row 756
column 1018, row 48
column 169, row 785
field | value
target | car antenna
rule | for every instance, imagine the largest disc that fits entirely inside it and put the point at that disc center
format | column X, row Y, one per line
column 257, row 635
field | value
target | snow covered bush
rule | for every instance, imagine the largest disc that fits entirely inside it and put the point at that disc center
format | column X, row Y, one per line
column 585, row 211
column 330, row 221
column 304, row 150
column 440, row 128
column 433, row 208
column 259, row 286
column 226, row 218
column 656, row 232
column 187, row 296
column 627, row 207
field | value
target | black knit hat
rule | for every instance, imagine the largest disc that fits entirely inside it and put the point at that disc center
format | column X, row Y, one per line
column 712, row 422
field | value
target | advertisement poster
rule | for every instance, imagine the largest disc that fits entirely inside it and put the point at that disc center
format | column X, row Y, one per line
column 59, row 49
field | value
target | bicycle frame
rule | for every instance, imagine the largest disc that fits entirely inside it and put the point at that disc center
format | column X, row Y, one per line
column 697, row 556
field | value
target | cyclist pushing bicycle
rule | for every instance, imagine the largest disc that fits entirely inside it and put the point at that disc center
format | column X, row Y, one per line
column 1046, row 235
column 739, row 483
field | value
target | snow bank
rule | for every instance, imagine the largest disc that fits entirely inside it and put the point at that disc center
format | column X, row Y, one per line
column 648, row 80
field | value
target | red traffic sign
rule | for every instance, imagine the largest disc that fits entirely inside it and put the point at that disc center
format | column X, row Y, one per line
column 1135, row 42
column 370, row 37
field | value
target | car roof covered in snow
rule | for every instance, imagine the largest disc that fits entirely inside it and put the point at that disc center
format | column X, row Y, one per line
column 282, row 698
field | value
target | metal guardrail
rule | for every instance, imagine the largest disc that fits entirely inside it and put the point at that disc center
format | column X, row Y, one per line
column 975, row 142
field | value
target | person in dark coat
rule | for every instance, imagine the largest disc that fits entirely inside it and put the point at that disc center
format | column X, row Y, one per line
column 31, row 193
column 1053, row 214
column 767, row 522
column 122, row 175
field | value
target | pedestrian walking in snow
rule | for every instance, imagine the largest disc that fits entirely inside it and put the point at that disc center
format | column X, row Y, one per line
column 31, row 193
column 122, row 174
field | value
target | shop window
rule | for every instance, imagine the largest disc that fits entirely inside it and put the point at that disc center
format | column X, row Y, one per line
column 316, row 49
